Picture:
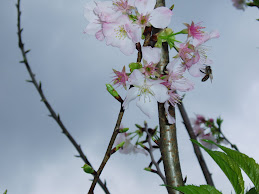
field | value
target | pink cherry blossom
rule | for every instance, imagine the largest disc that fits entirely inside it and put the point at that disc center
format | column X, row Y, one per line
column 151, row 56
column 120, row 78
column 147, row 91
column 188, row 54
column 239, row 4
column 176, row 78
column 128, row 147
column 98, row 13
column 173, row 100
column 159, row 17
column 208, row 136
column 122, row 34
column 124, row 6
column 194, row 30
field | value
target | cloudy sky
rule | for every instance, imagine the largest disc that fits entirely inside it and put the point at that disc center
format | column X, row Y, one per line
column 36, row 158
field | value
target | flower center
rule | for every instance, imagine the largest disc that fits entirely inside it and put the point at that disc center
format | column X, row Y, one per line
column 121, row 32
column 145, row 90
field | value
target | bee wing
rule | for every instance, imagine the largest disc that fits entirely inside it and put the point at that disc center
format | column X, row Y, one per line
column 211, row 77
column 205, row 77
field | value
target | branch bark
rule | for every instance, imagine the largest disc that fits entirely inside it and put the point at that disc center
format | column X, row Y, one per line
column 168, row 138
column 108, row 151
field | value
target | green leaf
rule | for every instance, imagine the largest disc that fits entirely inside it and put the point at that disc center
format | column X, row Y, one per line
column 252, row 191
column 248, row 165
column 5, row 192
column 192, row 189
column 228, row 166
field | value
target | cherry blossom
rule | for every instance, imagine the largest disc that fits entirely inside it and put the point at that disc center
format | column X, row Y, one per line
column 239, row 4
column 176, row 79
column 151, row 56
column 128, row 147
column 159, row 17
column 120, row 78
column 147, row 91
column 122, row 34
column 194, row 30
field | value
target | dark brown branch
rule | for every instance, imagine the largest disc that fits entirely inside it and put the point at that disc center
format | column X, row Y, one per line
column 251, row 4
column 138, row 47
column 150, row 151
column 232, row 145
column 196, row 148
column 108, row 151
column 38, row 86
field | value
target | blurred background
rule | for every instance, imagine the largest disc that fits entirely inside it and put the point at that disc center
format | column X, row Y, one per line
column 36, row 158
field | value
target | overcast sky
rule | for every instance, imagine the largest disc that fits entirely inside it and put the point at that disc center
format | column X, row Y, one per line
column 36, row 158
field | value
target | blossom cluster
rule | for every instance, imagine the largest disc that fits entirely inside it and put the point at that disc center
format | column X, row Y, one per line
column 121, row 24
column 239, row 4
column 206, row 129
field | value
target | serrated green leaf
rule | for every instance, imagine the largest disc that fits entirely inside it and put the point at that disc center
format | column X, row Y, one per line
column 248, row 165
column 228, row 166
column 192, row 189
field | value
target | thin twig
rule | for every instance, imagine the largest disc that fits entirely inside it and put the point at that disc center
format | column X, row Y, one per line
column 196, row 148
column 232, row 145
column 108, row 151
column 158, row 171
column 38, row 86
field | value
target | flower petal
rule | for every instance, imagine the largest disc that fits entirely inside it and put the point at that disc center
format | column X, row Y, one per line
column 182, row 85
column 195, row 70
column 148, row 105
column 169, row 117
column 160, row 17
column 131, row 95
column 160, row 92
column 145, row 6
column 151, row 54
column 92, row 28
column 136, row 78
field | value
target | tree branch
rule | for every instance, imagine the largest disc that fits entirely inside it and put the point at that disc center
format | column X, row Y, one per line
column 168, row 138
column 108, row 151
column 38, row 86
column 196, row 148
column 158, row 171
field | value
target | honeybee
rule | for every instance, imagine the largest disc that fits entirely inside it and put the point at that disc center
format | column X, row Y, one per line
column 208, row 74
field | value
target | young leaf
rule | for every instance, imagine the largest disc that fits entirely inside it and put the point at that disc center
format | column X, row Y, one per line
column 228, row 166
column 248, row 165
column 192, row 189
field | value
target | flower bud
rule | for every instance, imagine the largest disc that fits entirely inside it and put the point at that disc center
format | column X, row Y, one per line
column 120, row 145
column 147, row 169
column 133, row 66
column 123, row 130
column 113, row 92
column 88, row 169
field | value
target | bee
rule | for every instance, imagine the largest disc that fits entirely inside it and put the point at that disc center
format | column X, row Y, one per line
column 208, row 74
